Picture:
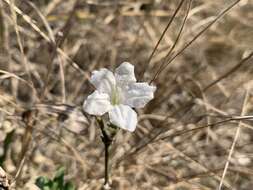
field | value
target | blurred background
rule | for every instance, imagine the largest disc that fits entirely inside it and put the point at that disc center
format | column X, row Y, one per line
column 48, row 49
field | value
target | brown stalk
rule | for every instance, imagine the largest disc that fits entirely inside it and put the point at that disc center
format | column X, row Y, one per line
column 232, row 70
column 58, row 43
column 27, row 118
column 163, row 34
column 195, row 38
column 175, row 43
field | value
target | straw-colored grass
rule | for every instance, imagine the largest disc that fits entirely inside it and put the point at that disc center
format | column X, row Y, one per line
column 190, row 136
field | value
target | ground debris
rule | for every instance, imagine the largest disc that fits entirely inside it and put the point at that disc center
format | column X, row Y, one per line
column 4, row 183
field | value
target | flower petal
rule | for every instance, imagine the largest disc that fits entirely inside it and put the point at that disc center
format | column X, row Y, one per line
column 124, row 117
column 103, row 80
column 139, row 94
column 97, row 103
column 124, row 74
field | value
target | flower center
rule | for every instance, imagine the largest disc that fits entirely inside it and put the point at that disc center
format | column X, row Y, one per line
column 115, row 96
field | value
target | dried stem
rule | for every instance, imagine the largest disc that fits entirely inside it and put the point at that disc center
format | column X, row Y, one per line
column 27, row 118
column 163, row 34
column 58, row 43
column 222, row 13
column 166, row 59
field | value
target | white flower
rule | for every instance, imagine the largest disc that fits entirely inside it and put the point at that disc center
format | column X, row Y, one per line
column 117, row 94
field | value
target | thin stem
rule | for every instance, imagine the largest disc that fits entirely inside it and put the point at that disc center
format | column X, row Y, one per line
column 232, row 70
column 163, row 34
column 58, row 43
column 174, row 44
column 28, row 119
column 107, row 140
column 107, row 145
column 194, row 39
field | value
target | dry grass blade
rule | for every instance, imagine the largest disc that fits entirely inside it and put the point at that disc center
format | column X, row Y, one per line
column 154, row 139
column 51, row 35
column 2, row 28
column 244, row 111
column 174, row 44
column 37, row 29
column 51, row 6
column 44, row 20
column 184, row 136
column 61, row 38
column 196, row 37
column 28, row 20
column 7, row 74
column 201, row 166
column 21, row 48
column 232, row 70
column 161, row 37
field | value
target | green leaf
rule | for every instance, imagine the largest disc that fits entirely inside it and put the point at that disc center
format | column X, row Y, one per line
column 59, row 178
column 43, row 183
column 59, row 173
column 56, row 186
column 57, row 183
column 69, row 186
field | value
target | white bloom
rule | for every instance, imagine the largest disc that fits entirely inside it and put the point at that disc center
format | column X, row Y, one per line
column 117, row 94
